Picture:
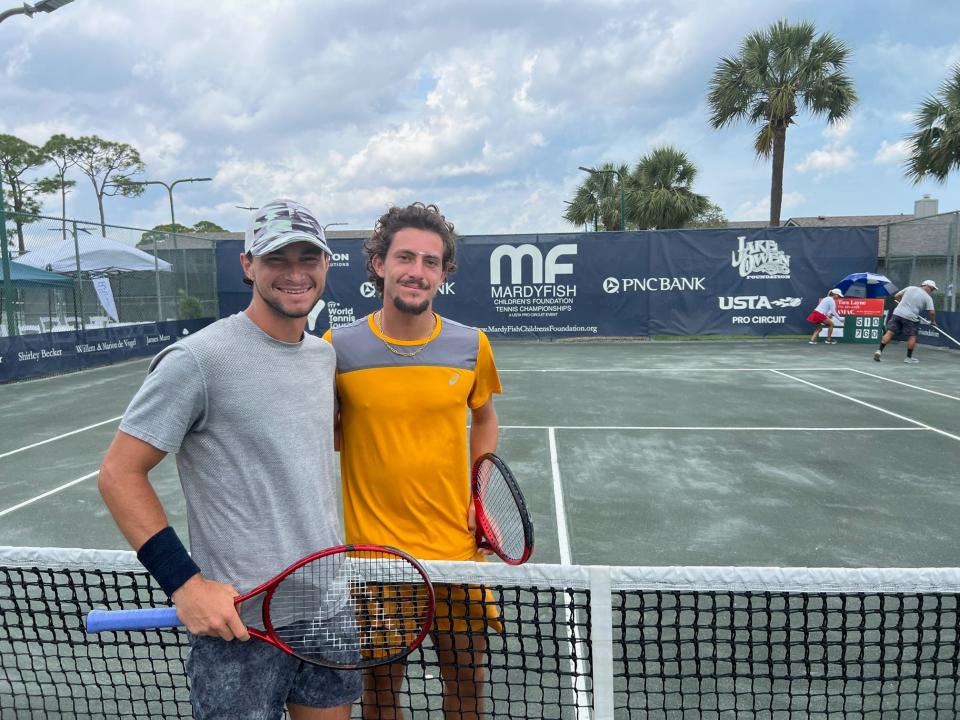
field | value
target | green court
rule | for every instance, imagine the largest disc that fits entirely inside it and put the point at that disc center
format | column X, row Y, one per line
column 772, row 453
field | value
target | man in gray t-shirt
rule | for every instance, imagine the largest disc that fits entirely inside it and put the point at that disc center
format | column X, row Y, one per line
column 905, row 319
column 247, row 405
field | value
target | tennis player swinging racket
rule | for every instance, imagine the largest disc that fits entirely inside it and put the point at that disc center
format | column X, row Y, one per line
column 347, row 607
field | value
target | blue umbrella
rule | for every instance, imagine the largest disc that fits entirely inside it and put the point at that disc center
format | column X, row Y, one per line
column 866, row 285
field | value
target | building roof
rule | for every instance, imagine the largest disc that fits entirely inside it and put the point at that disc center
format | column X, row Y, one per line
column 824, row 221
column 845, row 220
column 746, row 224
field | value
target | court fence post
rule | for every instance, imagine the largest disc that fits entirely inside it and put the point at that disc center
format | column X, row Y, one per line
column 78, row 291
column 7, row 279
column 156, row 273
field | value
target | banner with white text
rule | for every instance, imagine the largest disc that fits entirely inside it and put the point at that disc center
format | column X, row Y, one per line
column 24, row 356
column 613, row 284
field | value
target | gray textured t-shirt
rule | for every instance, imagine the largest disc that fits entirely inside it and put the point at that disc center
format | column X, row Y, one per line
column 915, row 300
column 251, row 421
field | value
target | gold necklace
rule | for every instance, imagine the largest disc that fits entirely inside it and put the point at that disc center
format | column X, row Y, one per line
column 377, row 318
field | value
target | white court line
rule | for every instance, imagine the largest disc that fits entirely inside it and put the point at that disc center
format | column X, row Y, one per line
column 665, row 369
column 573, row 620
column 872, row 407
column 49, row 493
column 86, row 371
column 915, row 387
column 59, row 437
column 563, row 535
column 711, row 428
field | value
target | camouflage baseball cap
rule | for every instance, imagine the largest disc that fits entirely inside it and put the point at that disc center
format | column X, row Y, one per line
column 279, row 223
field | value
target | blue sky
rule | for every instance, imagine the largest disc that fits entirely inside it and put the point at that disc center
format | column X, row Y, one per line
column 484, row 108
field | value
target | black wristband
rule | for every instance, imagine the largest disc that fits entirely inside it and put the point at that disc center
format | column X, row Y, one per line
column 165, row 557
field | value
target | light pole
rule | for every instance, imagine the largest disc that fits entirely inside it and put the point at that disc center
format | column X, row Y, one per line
column 331, row 224
column 173, row 218
column 28, row 10
column 169, row 187
column 592, row 171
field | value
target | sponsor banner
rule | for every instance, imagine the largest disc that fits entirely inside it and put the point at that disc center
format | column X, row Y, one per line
column 950, row 322
column 860, row 306
column 25, row 356
column 677, row 282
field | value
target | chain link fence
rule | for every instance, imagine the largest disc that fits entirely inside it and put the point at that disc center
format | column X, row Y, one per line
column 924, row 248
column 75, row 275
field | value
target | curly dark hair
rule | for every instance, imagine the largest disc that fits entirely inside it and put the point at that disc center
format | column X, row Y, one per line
column 419, row 216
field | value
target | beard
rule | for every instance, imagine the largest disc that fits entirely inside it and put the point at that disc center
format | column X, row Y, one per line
column 281, row 310
column 410, row 308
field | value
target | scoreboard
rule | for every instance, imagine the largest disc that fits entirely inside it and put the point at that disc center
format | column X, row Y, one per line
column 862, row 320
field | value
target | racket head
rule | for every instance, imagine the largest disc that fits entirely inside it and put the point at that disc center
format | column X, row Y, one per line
column 503, row 521
column 347, row 607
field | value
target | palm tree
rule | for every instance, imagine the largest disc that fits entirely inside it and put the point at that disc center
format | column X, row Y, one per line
column 777, row 70
column 596, row 200
column 935, row 146
column 660, row 193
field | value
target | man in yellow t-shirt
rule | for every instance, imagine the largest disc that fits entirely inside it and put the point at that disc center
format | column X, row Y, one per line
column 406, row 378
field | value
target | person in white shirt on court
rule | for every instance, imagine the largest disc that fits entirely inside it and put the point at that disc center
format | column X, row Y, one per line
column 824, row 315
column 905, row 319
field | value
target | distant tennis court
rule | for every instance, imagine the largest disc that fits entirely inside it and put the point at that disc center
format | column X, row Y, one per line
column 656, row 453
column 714, row 453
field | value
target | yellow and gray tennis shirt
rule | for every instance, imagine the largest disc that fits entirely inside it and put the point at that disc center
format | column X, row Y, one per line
column 404, row 458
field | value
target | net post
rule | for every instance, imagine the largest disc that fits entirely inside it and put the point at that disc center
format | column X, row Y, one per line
column 601, row 637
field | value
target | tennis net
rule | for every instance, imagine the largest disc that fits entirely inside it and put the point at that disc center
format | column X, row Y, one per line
column 577, row 642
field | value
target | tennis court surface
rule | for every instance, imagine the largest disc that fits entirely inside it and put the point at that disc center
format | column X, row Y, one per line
column 678, row 491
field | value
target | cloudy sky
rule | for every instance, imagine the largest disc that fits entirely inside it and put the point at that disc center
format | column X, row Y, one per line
column 483, row 107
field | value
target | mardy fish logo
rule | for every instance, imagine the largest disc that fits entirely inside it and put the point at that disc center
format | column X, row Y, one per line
column 760, row 259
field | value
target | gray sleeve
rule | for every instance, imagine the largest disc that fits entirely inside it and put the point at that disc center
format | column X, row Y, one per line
column 171, row 402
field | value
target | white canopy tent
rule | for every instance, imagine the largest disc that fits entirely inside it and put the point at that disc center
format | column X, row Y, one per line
column 97, row 256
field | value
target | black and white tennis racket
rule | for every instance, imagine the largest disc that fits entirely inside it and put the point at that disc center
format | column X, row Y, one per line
column 347, row 607
column 503, row 523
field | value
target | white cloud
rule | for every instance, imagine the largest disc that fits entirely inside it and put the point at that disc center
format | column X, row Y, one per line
column 40, row 131
column 906, row 117
column 160, row 149
column 828, row 160
column 17, row 58
column 485, row 109
column 892, row 153
column 760, row 209
column 837, row 132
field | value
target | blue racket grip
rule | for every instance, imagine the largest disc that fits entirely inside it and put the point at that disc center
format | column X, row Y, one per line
column 107, row 620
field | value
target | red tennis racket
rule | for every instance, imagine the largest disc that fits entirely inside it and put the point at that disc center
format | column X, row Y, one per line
column 503, row 523
column 347, row 607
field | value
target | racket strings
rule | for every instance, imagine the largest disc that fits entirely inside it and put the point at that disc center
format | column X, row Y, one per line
column 350, row 609
column 504, row 524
